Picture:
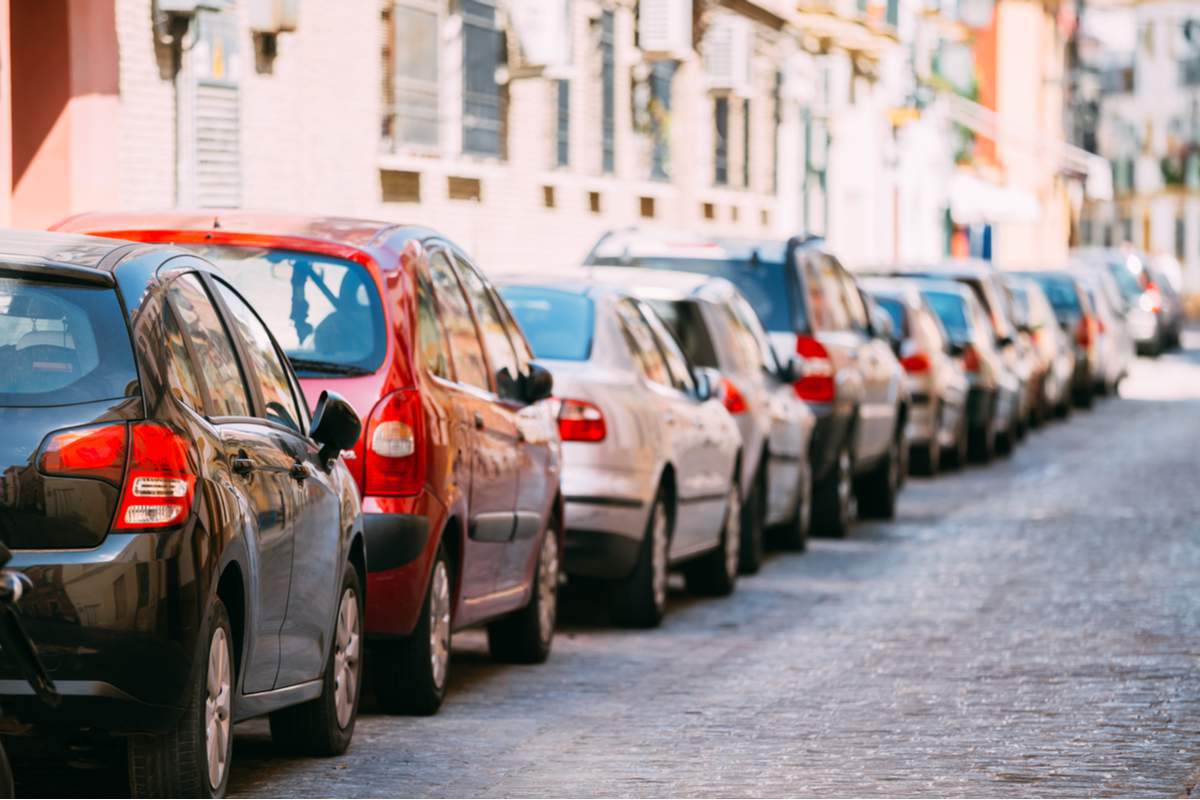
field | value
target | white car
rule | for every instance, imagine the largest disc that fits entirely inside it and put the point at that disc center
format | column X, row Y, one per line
column 1115, row 347
column 650, row 455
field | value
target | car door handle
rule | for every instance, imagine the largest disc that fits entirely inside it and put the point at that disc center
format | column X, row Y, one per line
column 241, row 465
column 478, row 421
column 300, row 471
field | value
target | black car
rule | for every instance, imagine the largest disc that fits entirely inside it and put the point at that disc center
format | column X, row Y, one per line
column 840, row 363
column 193, row 538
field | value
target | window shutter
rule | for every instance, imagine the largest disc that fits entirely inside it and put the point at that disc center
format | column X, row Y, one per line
column 412, row 58
column 218, row 145
column 563, row 126
column 727, row 48
column 483, row 52
column 665, row 28
column 608, row 88
column 721, row 141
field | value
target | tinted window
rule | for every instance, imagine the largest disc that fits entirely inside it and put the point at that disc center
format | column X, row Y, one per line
column 181, row 372
column 559, row 324
column 951, row 309
column 212, row 347
column 686, row 323
column 268, row 367
column 62, row 344
column 895, row 309
column 642, row 344
column 826, row 307
column 431, row 336
column 677, row 365
column 766, row 284
column 745, row 316
column 515, row 334
column 1127, row 282
column 324, row 311
column 1061, row 292
column 491, row 325
column 469, row 366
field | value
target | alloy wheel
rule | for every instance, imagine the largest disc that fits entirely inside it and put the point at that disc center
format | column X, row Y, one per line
column 217, row 703
column 346, row 654
column 658, row 557
column 547, row 587
column 439, row 623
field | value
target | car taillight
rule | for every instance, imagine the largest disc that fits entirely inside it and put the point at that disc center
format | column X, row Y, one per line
column 1085, row 331
column 1152, row 298
column 394, row 446
column 817, row 385
column 159, row 483
column 580, row 421
column 917, row 362
column 970, row 359
column 732, row 397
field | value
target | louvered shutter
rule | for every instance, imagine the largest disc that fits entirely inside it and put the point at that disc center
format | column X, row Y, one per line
column 665, row 28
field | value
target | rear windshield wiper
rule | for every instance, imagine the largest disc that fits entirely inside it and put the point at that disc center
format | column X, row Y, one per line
column 327, row 367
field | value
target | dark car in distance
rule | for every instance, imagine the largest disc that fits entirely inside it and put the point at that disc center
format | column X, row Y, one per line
column 193, row 538
column 458, row 462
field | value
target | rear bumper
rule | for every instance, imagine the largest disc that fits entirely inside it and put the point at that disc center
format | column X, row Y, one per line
column 606, row 512
column 402, row 537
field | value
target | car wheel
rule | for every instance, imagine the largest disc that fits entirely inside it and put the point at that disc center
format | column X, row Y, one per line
column 324, row 726
column 754, row 513
column 525, row 636
column 192, row 759
column 983, row 440
column 411, row 673
column 793, row 534
column 878, row 491
column 926, row 459
column 640, row 600
column 833, row 497
column 715, row 573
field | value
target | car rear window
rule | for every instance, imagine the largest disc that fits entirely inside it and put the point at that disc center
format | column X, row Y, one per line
column 1126, row 281
column 62, row 344
column 952, row 311
column 324, row 311
column 558, row 324
column 766, row 284
column 1061, row 292
column 687, row 325
column 895, row 310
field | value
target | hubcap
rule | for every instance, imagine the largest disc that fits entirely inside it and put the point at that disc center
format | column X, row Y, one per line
column 347, row 648
column 658, row 557
column 216, row 708
column 439, row 623
column 548, row 586
column 733, row 532
column 845, row 489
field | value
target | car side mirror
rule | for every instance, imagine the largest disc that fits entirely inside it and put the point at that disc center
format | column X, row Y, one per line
column 335, row 425
column 539, row 384
column 707, row 380
column 1004, row 341
column 792, row 370
column 955, row 349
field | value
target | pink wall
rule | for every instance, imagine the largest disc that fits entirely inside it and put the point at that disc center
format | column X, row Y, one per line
column 5, row 121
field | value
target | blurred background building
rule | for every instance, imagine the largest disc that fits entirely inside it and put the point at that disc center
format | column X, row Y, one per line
column 901, row 130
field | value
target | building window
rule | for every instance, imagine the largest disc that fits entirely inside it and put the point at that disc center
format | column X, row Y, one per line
column 608, row 93
column 661, row 75
column 1085, row 231
column 483, row 54
column 777, row 123
column 721, row 141
column 1180, row 238
column 563, row 127
column 410, row 81
column 746, row 143
column 1127, row 230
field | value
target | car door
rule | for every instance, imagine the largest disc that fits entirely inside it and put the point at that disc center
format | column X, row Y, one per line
column 514, row 569
column 315, row 521
column 877, row 412
column 257, row 475
column 491, row 494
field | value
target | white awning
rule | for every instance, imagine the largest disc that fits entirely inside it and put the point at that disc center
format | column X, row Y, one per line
column 974, row 200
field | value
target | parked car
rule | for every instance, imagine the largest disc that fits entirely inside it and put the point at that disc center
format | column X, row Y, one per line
column 459, row 460
column 937, row 383
column 718, row 330
column 1078, row 320
column 818, row 324
column 1054, row 352
column 1151, row 306
column 193, row 538
column 992, row 388
column 650, row 454
column 1115, row 349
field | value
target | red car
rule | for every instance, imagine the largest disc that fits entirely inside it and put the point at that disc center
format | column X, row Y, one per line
column 458, row 462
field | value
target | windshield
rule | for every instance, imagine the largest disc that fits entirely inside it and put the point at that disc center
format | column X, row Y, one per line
column 324, row 311
column 1061, row 292
column 62, row 344
column 952, row 311
column 557, row 324
column 895, row 310
column 765, row 284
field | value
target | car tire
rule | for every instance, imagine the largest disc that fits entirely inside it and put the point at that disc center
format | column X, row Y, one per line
column 715, row 573
column 640, row 601
column 193, row 758
column 833, row 509
column 526, row 636
column 324, row 726
column 926, row 459
column 955, row 457
column 878, row 491
column 793, row 534
column 754, row 513
column 411, row 673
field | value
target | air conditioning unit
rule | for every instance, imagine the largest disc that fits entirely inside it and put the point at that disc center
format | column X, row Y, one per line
column 543, row 32
column 272, row 16
column 728, row 48
column 665, row 29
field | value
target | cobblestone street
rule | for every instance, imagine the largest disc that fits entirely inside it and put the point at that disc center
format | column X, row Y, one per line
column 1031, row 628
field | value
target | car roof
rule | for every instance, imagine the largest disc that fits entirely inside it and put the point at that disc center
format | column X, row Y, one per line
column 627, row 281
column 342, row 230
column 59, row 248
column 635, row 243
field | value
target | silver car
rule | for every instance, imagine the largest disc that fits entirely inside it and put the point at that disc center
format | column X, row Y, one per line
column 1115, row 347
column 937, row 383
column 1054, row 350
column 650, row 455
column 717, row 329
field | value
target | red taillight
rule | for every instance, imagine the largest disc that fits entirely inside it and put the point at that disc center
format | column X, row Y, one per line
column 732, row 397
column 817, row 385
column 86, row 453
column 1153, row 296
column 394, row 446
column 160, row 484
column 1085, row 331
column 580, row 421
column 970, row 359
column 917, row 362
